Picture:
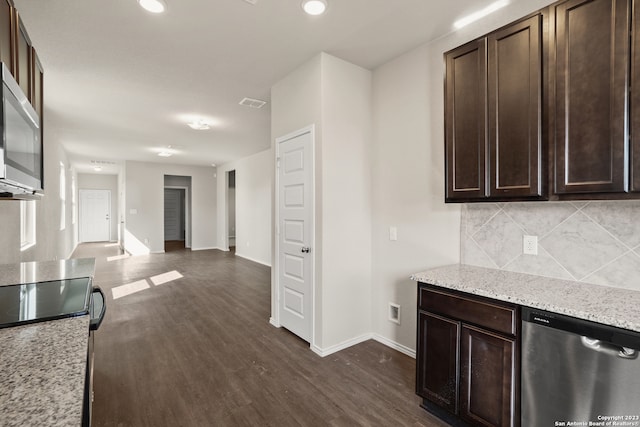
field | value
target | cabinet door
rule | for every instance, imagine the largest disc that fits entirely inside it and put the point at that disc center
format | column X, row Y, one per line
column 515, row 109
column 23, row 70
column 465, row 121
column 6, row 33
column 487, row 378
column 437, row 360
column 592, row 42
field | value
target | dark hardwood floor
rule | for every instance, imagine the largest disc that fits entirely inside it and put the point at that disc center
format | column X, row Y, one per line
column 199, row 351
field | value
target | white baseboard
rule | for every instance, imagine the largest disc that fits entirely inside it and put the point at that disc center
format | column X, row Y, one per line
column 324, row 352
column 273, row 322
column 206, row 248
column 253, row 259
column 394, row 345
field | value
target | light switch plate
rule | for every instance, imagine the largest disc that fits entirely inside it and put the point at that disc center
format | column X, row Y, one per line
column 393, row 233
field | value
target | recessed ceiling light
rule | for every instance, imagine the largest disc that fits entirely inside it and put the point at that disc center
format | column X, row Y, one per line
column 199, row 124
column 480, row 14
column 153, row 6
column 314, row 7
column 165, row 154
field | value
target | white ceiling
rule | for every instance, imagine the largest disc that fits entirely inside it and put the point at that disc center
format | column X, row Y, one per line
column 120, row 82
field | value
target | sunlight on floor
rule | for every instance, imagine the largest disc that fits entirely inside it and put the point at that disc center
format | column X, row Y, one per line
column 141, row 285
column 117, row 257
column 129, row 288
column 165, row 277
column 110, row 245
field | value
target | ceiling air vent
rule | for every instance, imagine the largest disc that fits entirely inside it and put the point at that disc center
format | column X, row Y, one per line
column 253, row 103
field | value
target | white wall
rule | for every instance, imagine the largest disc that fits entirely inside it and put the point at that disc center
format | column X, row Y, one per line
column 144, row 183
column 254, row 175
column 345, row 201
column 86, row 181
column 52, row 243
column 408, row 179
column 335, row 96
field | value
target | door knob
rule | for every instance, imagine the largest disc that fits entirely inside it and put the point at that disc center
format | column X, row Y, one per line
column 306, row 250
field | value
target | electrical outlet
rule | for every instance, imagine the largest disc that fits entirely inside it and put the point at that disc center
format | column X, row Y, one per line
column 394, row 313
column 530, row 245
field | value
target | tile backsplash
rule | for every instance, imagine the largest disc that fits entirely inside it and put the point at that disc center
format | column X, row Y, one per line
column 596, row 241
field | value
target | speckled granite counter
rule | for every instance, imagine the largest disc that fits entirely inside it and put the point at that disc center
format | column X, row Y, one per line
column 42, row 371
column 610, row 306
column 29, row 272
column 42, row 365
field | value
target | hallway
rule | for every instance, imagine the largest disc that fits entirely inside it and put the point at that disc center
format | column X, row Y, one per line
column 188, row 343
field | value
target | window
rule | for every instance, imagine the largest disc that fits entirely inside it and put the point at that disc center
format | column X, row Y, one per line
column 63, row 197
column 74, row 203
column 27, row 224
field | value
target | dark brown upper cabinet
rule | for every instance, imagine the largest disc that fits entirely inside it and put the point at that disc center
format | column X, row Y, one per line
column 465, row 121
column 591, row 83
column 6, row 33
column 24, row 70
column 493, row 115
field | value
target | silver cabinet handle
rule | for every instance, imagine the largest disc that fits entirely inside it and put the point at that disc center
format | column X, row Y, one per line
column 306, row 250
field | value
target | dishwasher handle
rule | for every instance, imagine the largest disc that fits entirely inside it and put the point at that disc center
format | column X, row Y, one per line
column 609, row 349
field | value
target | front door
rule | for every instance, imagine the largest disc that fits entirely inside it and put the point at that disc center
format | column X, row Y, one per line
column 295, row 233
column 95, row 215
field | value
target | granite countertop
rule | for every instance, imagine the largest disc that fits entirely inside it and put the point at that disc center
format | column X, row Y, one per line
column 29, row 272
column 42, row 372
column 602, row 304
column 43, row 365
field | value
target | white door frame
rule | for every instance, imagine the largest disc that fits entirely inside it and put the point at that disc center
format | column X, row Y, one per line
column 275, row 320
column 226, row 206
column 81, row 214
column 187, row 214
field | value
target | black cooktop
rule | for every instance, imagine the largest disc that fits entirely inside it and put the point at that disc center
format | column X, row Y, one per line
column 36, row 302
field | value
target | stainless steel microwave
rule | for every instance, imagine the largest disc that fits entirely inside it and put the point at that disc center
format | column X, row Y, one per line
column 21, row 146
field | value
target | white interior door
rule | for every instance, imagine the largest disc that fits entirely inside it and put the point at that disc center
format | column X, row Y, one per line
column 295, row 234
column 95, row 215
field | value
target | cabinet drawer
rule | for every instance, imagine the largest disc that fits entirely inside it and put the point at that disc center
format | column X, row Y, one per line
column 501, row 318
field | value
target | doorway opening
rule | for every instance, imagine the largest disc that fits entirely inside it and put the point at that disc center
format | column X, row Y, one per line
column 231, row 210
column 177, row 213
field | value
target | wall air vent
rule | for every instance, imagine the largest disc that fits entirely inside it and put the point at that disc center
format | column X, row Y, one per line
column 253, row 103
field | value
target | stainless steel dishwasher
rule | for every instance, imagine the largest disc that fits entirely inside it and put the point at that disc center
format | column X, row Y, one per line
column 576, row 372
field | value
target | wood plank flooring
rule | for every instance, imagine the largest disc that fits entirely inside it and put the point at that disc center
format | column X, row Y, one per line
column 199, row 351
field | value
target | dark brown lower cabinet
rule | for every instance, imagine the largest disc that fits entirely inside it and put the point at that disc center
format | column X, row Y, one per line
column 487, row 383
column 438, row 372
column 467, row 357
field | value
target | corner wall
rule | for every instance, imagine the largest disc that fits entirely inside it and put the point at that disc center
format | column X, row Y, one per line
column 335, row 97
column 254, row 225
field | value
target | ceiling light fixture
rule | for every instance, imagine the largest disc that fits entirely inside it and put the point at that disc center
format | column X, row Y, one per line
column 97, row 168
column 480, row 14
column 153, row 6
column 199, row 124
column 165, row 154
column 314, row 7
